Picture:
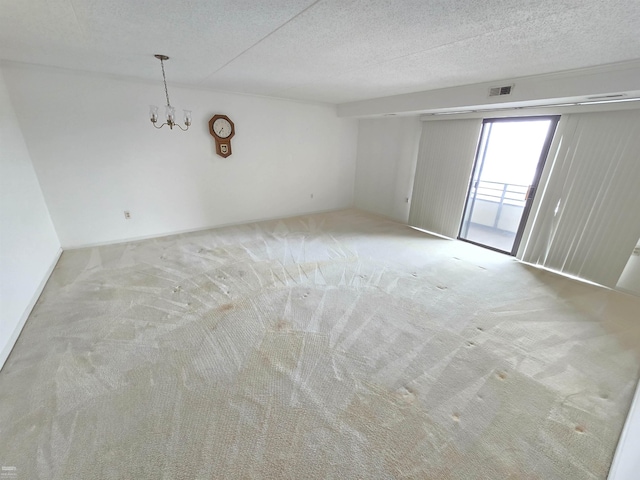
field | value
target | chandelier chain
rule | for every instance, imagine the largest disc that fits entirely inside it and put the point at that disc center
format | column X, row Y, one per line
column 166, row 92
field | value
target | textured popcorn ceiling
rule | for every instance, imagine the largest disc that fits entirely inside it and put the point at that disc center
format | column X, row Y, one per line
column 326, row 50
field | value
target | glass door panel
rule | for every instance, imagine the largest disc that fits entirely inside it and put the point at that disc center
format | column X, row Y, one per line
column 507, row 169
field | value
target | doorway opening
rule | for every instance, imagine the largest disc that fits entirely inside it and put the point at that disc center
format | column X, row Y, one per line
column 507, row 169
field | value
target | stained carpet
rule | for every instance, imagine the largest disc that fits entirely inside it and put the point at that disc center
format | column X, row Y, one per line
column 337, row 345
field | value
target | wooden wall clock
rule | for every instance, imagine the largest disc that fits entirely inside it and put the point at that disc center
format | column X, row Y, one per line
column 222, row 129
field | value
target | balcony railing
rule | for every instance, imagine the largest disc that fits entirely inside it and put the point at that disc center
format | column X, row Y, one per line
column 508, row 193
column 498, row 205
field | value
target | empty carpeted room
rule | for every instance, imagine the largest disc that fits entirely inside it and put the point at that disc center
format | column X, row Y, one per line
column 319, row 239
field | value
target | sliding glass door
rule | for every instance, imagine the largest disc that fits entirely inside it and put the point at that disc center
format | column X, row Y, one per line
column 508, row 165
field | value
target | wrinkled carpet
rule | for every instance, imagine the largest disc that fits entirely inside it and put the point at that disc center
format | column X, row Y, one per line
column 338, row 345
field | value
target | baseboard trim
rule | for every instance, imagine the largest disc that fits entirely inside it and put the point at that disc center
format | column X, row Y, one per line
column 6, row 351
column 626, row 463
column 198, row 229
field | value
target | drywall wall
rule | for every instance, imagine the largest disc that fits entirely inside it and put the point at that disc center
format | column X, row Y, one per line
column 386, row 164
column 630, row 279
column 29, row 246
column 96, row 155
column 626, row 462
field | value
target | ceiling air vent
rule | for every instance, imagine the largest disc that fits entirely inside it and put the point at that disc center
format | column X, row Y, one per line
column 607, row 97
column 498, row 91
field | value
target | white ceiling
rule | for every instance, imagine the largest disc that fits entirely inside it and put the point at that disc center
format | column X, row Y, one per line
column 325, row 50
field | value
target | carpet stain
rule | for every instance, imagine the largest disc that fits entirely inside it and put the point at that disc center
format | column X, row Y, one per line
column 282, row 325
column 226, row 307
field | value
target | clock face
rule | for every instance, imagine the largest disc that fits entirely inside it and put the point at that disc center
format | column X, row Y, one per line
column 222, row 127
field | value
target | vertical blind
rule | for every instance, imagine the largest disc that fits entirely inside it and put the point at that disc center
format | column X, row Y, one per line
column 443, row 171
column 587, row 222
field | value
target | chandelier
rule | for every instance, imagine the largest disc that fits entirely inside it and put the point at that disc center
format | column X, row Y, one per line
column 170, row 111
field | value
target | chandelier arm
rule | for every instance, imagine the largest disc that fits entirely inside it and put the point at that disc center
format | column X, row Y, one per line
column 171, row 126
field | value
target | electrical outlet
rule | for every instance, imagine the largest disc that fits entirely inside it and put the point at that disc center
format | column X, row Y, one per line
column 127, row 214
column 406, row 199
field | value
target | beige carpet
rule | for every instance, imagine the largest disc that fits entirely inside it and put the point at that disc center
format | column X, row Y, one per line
column 336, row 345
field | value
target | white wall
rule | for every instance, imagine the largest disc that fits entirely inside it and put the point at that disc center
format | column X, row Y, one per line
column 387, row 153
column 630, row 279
column 29, row 246
column 96, row 154
column 626, row 461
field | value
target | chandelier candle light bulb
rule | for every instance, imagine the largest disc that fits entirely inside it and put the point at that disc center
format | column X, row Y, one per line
column 170, row 111
column 153, row 113
column 171, row 114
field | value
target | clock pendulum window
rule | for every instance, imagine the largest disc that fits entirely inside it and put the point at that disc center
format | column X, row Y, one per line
column 222, row 130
